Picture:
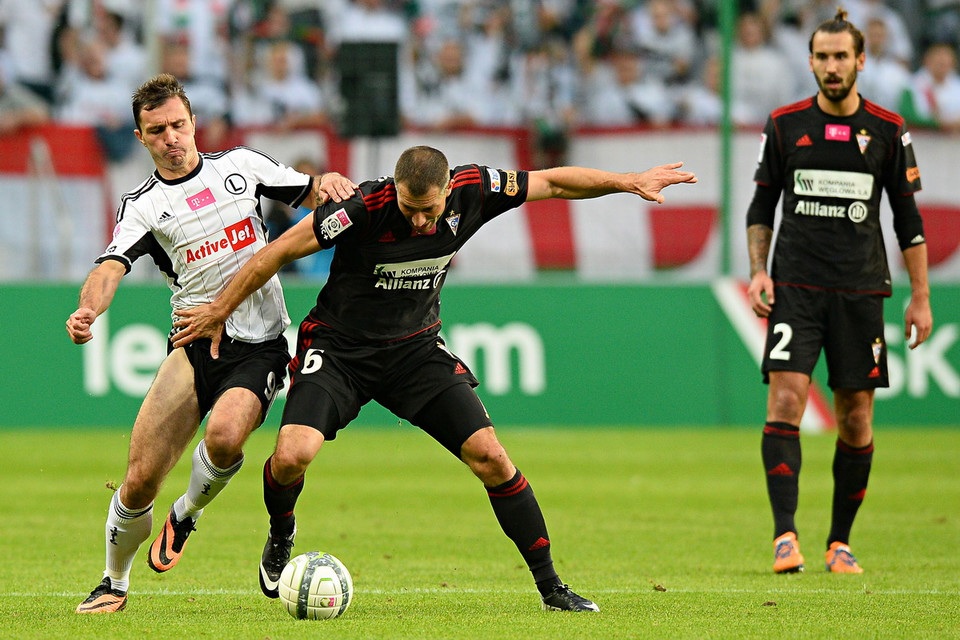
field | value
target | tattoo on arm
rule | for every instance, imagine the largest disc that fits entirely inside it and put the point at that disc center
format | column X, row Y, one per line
column 758, row 245
column 317, row 198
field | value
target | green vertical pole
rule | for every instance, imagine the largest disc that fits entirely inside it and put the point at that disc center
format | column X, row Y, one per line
column 727, row 23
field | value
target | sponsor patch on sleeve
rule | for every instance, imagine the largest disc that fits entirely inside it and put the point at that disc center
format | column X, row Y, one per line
column 763, row 145
column 905, row 139
column 334, row 224
column 913, row 173
column 494, row 180
column 512, row 187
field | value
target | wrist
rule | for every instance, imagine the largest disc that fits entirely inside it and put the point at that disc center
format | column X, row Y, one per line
column 220, row 310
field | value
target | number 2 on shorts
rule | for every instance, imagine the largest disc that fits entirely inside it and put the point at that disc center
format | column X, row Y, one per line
column 779, row 351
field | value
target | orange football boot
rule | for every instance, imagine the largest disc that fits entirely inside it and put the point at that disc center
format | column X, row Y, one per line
column 786, row 554
column 841, row 560
column 104, row 599
column 166, row 550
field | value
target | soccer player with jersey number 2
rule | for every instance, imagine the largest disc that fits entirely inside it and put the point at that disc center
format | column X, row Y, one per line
column 831, row 156
column 198, row 216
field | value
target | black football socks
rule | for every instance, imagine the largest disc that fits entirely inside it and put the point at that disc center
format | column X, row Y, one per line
column 780, row 448
column 519, row 515
column 280, row 501
column 851, row 470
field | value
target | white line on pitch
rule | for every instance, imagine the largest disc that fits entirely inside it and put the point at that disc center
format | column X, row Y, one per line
column 247, row 592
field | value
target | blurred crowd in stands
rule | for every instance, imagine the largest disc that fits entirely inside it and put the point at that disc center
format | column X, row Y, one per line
column 553, row 66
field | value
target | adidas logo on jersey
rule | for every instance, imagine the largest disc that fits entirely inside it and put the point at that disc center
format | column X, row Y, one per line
column 166, row 215
column 805, row 141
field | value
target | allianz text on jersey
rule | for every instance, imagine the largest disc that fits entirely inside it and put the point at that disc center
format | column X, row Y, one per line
column 416, row 274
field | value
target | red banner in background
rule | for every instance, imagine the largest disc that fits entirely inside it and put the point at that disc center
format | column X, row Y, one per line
column 74, row 150
column 942, row 228
column 680, row 233
column 56, row 203
column 615, row 237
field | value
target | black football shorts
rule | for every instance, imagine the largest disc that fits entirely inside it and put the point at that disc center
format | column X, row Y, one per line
column 403, row 376
column 259, row 367
column 847, row 326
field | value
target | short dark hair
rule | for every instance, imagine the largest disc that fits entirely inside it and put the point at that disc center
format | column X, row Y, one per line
column 420, row 168
column 155, row 92
column 839, row 24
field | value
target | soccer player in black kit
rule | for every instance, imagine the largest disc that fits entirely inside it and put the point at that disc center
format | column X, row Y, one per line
column 374, row 333
column 830, row 156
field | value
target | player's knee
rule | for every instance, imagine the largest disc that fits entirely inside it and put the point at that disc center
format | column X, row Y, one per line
column 787, row 405
column 488, row 461
column 855, row 422
column 139, row 488
column 291, row 462
column 224, row 446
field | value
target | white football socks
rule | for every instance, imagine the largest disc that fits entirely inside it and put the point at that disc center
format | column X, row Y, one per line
column 206, row 482
column 126, row 530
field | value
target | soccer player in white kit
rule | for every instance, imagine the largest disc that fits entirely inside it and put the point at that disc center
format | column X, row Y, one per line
column 199, row 217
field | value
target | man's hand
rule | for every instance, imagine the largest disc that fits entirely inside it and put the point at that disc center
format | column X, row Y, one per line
column 918, row 321
column 333, row 186
column 651, row 182
column 95, row 297
column 198, row 322
column 78, row 325
column 761, row 285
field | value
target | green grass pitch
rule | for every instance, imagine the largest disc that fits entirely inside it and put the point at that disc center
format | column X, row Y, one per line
column 668, row 530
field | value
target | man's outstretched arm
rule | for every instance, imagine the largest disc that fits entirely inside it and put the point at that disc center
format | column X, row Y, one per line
column 577, row 183
column 207, row 320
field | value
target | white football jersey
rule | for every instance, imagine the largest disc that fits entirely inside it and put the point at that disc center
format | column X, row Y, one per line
column 202, row 228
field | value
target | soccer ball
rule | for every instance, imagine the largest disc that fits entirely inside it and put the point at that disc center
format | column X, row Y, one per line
column 315, row 585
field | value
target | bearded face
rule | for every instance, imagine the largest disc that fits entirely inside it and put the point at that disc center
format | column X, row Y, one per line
column 835, row 64
column 834, row 86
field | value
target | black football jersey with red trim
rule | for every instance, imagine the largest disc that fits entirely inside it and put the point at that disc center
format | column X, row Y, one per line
column 831, row 171
column 385, row 280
